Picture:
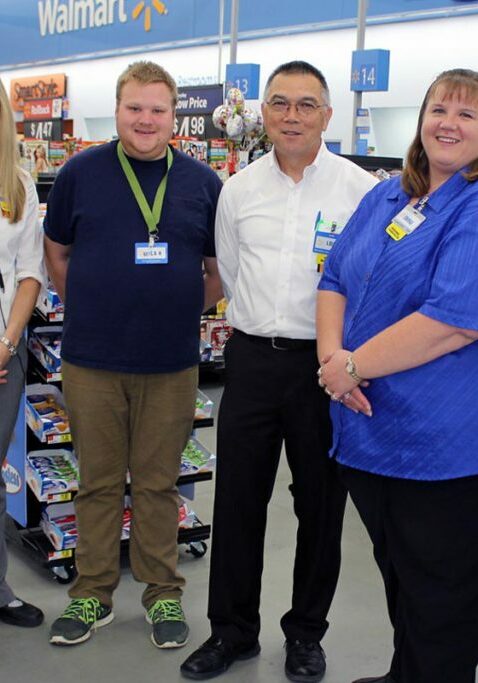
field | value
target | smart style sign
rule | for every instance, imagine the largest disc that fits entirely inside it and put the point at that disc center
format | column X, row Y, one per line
column 36, row 87
column 370, row 70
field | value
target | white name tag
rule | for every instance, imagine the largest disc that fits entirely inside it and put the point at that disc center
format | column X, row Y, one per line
column 146, row 255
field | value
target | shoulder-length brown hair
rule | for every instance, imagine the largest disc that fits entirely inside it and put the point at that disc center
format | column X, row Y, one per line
column 416, row 174
column 11, row 186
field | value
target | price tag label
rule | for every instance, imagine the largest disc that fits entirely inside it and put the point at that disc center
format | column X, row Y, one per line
column 60, row 554
column 59, row 497
column 196, row 126
column 43, row 130
column 59, row 438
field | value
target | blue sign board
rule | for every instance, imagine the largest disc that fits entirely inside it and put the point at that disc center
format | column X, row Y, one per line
column 245, row 77
column 13, row 470
column 200, row 99
column 47, row 31
column 361, row 147
column 370, row 70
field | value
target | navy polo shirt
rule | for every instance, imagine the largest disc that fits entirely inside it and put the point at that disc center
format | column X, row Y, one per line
column 425, row 420
column 121, row 316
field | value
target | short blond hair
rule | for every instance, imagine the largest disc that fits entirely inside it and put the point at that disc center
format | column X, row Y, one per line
column 12, row 188
column 146, row 72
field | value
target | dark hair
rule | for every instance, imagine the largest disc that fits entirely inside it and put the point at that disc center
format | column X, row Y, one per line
column 416, row 174
column 299, row 67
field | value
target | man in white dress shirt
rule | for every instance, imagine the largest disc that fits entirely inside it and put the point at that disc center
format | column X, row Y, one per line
column 266, row 225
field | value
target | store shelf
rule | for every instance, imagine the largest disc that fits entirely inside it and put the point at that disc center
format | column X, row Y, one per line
column 39, row 491
column 36, row 544
column 67, row 496
column 49, row 316
column 42, row 373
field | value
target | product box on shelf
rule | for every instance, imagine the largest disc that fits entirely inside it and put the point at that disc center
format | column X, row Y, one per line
column 196, row 458
column 52, row 474
column 49, row 305
column 45, row 344
column 204, row 406
column 58, row 523
column 194, row 148
column 46, row 415
column 217, row 333
column 187, row 517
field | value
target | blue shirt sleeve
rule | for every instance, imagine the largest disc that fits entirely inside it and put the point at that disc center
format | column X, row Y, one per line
column 453, row 297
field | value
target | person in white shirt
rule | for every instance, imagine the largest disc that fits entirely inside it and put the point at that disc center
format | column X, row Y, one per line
column 266, row 227
column 21, row 272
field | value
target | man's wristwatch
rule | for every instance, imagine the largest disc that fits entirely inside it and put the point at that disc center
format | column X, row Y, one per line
column 352, row 370
column 10, row 346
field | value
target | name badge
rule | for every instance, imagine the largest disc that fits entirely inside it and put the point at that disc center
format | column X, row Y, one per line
column 326, row 232
column 404, row 223
column 150, row 255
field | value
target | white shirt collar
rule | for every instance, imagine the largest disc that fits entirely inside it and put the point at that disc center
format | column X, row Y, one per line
column 319, row 158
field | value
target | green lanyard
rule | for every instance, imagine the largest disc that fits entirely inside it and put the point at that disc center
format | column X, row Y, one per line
column 151, row 217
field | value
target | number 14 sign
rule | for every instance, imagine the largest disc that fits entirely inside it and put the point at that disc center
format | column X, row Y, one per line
column 370, row 70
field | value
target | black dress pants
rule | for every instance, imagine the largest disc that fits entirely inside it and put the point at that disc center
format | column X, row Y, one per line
column 425, row 539
column 271, row 397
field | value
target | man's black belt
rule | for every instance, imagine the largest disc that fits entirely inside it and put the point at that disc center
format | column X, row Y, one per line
column 279, row 343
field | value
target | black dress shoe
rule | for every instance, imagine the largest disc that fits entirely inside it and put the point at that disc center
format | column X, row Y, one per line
column 305, row 661
column 378, row 679
column 214, row 657
column 22, row 615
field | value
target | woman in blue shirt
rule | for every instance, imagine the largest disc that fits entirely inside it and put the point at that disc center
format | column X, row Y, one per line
column 397, row 324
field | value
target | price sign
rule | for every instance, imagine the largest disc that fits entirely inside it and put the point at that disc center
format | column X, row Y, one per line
column 43, row 130
column 200, row 127
column 245, row 77
column 194, row 111
column 370, row 70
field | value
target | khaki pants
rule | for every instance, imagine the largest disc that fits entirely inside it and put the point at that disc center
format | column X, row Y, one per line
column 141, row 422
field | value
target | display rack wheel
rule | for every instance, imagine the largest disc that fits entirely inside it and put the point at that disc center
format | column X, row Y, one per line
column 64, row 573
column 197, row 548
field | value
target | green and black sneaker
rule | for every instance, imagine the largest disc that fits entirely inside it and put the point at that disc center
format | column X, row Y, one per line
column 169, row 625
column 80, row 617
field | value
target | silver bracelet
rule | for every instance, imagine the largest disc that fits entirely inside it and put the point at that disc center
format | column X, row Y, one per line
column 10, row 345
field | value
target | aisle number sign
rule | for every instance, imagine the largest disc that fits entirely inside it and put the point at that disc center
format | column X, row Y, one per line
column 370, row 70
column 245, row 77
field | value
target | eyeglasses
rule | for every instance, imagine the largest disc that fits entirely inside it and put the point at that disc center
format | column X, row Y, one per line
column 303, row 107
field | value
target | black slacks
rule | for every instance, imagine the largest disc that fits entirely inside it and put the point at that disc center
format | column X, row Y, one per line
column 271, row 397
column 425, row 539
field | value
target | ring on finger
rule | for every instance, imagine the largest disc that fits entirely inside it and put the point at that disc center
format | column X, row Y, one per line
column 347, row 395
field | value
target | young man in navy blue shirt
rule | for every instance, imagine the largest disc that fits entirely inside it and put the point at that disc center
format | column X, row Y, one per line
column 129, row 230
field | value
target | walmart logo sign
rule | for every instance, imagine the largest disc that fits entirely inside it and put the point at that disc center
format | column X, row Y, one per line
column 56, row 17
